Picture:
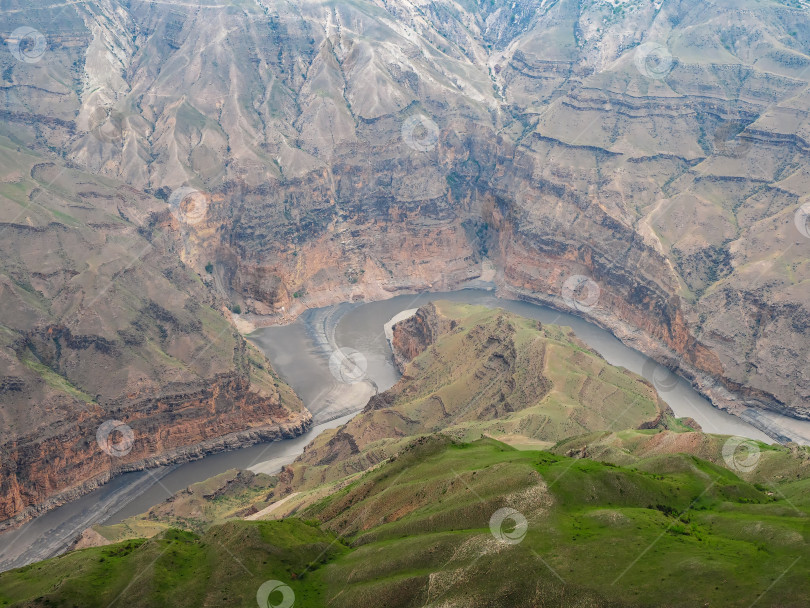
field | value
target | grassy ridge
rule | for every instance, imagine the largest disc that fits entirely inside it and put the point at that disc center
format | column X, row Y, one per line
column 417, row 531
column 223, row 567
column 697, row 534
column 387, row 512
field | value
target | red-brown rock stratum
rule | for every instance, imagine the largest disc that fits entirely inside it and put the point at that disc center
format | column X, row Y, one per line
column 163, row 162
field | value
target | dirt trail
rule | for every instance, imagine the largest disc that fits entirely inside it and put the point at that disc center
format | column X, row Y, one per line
column 269, row 509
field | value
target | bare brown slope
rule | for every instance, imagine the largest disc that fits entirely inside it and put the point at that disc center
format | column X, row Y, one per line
column 558, row 151
column 102, row 321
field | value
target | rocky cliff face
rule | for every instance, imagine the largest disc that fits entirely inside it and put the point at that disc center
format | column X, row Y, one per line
column 223, row 414
column 106, row 333
column 356, row 151
column 412, row 336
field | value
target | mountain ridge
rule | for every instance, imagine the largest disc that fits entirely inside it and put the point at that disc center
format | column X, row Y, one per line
column 106, row 329
column 430, row 527
column 317, row 153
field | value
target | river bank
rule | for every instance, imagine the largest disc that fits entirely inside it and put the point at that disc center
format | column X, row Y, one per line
column 301, row 352
column 692, row 393
column 110, row 500
column 756, row 408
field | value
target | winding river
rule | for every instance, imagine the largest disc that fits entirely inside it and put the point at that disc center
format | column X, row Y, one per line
column 300, row 352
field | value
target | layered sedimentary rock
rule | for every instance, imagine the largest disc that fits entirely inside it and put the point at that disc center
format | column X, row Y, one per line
column 222, row 414
column 411, row 336
column 356, row 151
column 108, row 336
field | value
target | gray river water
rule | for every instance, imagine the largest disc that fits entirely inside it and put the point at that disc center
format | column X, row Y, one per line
column 300, row 353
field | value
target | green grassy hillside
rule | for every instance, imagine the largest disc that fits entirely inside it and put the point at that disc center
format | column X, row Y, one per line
column 416, row 503
column 781, row 468
column 422, row 530
column 223, row 567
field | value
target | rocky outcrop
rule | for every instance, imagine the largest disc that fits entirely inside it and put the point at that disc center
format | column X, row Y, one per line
column 39, row 474
column 103, row 322
column 481, row 372
column 388, row 150
column 414, row 335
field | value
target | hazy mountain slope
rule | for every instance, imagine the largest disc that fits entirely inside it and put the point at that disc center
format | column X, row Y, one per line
column 428, row 530
column 103, row 322
column 658, row 148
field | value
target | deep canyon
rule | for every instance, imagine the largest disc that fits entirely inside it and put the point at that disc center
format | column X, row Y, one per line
column 171, row 171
